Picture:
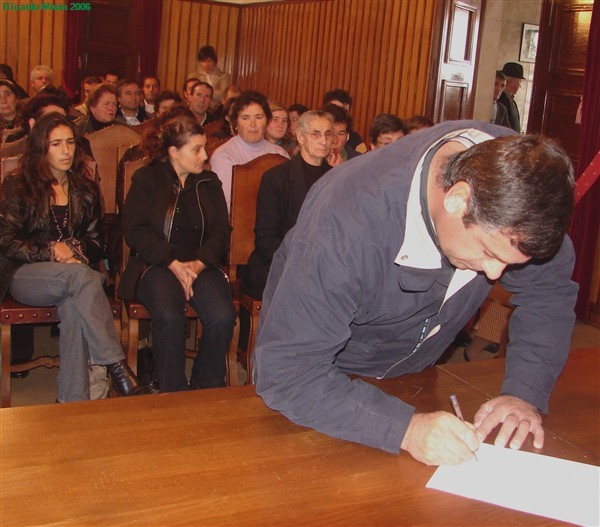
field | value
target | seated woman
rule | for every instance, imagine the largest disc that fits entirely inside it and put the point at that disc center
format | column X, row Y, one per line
column 278, row 126
column 50, row 230
column 175, row 221
column 102, row 106
column 10, row 108
column 250, row 114
column 281, row 194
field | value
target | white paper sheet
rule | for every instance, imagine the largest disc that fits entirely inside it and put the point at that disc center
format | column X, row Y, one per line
column 543, row 485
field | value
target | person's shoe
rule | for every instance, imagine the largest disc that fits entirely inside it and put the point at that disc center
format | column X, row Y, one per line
column 124, row 380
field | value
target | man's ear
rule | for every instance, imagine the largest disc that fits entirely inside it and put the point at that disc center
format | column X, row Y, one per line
column 457, row 198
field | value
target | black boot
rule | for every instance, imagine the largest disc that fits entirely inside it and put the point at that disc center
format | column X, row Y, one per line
column 123, row 379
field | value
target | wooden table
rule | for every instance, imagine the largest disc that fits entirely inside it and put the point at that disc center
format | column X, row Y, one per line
column 220, row 457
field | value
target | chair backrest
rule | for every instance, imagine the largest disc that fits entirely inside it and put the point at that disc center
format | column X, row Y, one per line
column 128, row 170
column 212, row 146
column 105, row 147
column 16, row 148
column 8, row 165
column 149, row 123
column 244, row 192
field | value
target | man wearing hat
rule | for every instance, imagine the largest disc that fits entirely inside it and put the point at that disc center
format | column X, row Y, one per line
column 514, row 76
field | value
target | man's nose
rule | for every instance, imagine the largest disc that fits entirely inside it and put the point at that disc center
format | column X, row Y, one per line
column 493, row 269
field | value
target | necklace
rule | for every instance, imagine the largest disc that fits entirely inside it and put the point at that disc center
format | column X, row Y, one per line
column 62, row 229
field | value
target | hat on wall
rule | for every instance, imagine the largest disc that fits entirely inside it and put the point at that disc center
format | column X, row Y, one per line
column 513, row 69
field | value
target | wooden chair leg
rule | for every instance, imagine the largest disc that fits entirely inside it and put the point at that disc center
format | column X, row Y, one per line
column 254, row 320
column 132, row 348
column 5, row 365
column 232, row 372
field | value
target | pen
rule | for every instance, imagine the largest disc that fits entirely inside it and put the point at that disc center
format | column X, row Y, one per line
column 459, row 414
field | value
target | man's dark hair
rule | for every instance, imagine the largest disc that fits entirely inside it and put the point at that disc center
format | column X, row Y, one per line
column 92, row 80
column 114, row 73
column 207, row 52
column 202, row 83
column 339, row 115
column 126, row 82
column 50, row 96
column 386, row 123
column 144, row 79
column 245, row 99
column 337, row 95
column 298, row 108
column 417, row 122
column 166, row 96
column 521, row 186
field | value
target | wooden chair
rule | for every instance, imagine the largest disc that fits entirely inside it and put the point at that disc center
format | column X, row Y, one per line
column 150, row 123
column 13, row 312
column 105, row 147
column 16, row 148
column 244, row 193
column 135, row 312
column 8, row 164
column 211, row 147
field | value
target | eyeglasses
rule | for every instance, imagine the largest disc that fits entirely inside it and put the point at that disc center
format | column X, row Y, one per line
column 317, row 134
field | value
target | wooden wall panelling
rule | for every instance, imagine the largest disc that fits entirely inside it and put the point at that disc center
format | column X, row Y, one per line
column 32, row 37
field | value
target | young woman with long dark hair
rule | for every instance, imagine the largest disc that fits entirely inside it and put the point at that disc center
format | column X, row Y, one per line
column 50, row 234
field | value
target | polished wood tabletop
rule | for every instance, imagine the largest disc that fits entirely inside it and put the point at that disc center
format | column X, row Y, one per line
column 221, row 457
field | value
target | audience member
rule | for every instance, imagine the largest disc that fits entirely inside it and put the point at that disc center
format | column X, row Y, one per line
column 277, row 126
column 417, row 122
column 50, row 230
column 514, row 77
column 499, row 113
column 177, row 226
column 342, row 124
column 112, row 77
column 282, row 191
column 294, row 111
column 129, row 97
column 102, row 106
column 385, row 129
column 225, row 131
column 200, row 96
column 210, row 73
column 381, row 272
column 249, row 116
column 6, row 72
column 230, row 92
column 87, row 85
column 151, row 89
column 10, row 108
column 41, row 76
column 187, row 88
column 164, row 101
column 343, row 99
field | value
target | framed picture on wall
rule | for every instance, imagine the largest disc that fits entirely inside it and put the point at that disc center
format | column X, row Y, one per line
column 529, row 42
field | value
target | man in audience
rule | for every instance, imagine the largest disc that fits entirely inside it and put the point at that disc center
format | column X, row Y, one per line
column 514, row 78
column 187, row 88
column 151, row 89
column 201, row 95
column 41, row 76
column 129, row 96
column 385, row 129
column 164, row 101
column 342, row 124
column 112, row 77
column 209, row 72
column 499, row 113
column 343, row 99
column 87, row 86
column 391, row 255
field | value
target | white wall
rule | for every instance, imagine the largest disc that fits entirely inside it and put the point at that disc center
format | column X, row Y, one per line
column 500, row 42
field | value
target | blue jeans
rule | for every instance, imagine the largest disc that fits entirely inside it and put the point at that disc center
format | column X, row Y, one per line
column 87, row 330
column 163, row 296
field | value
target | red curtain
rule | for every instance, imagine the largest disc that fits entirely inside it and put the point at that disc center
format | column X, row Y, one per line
column 149, row 46
column 72, row 67
column 586, row 220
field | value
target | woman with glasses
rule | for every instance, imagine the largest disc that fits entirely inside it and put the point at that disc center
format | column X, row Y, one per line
column 282, row 191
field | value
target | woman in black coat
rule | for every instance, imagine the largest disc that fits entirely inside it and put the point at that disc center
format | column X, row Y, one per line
column 176, row 223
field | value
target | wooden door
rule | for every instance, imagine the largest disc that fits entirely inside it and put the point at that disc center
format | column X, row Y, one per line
column 111, row 38
column 559, row 71
column 457, row 41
